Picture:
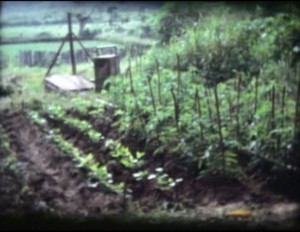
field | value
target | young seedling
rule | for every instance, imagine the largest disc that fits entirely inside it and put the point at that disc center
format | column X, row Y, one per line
column 163, row 180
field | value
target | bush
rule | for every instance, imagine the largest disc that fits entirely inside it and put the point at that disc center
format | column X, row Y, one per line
column 221, row 42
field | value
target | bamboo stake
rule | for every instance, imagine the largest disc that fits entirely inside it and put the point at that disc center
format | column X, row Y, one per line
column 273, row 118
column 176, row 109
column 135, row 98
column 130, row 78
column 178, row 75
column 123, row 91
column 219, row 126
column 273, row 109
column 238, row 106
column 158, row 81
column 208, row 106
column 151, row 93
column 282, row 115
column 283, row 105
column 230, row 106
column 256, row 94
column 198, row 108
column 297, row 110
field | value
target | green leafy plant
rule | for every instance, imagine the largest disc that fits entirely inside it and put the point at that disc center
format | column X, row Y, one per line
column 124, row 154
column 34, row 115
column 86, row 161
column 10, row 161
column 57, row 112
column 162, row 180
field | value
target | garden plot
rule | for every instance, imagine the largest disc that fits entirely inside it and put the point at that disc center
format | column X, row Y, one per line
column 52, row 178
column 67, row 176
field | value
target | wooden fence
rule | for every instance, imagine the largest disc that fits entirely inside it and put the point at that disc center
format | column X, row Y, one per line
column 44, row 58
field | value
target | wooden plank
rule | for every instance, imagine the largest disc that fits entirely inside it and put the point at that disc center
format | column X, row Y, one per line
column 68, row 82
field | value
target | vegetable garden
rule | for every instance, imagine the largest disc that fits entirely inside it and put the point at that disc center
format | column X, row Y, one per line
column 209, row 118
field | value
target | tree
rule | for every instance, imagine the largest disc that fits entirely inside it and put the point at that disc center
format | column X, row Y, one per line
column 113, row 14
column 83, row 20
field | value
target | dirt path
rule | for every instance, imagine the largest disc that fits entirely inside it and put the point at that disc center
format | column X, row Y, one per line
column 51, row 176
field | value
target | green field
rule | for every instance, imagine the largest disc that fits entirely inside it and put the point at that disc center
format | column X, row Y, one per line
column 128, row 21
column 120, row 33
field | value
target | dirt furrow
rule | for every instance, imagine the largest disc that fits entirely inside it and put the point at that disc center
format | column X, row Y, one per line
column 52, row 176
column 80, row 140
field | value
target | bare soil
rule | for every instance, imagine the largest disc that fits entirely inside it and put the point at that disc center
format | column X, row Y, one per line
column 52, row 180
column 44, row 181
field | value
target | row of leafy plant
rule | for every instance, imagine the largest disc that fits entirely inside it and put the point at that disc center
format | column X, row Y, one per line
column 119, row 152
column 8, row 161
column 83, row 160
column 56, row 111
column 123, row 154
column 161, row 179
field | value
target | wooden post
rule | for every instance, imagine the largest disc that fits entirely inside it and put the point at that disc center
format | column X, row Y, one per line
column 70, row 35
column 84, row 49
column 55, row 57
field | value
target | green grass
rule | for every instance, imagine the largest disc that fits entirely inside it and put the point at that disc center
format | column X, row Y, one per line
column 32, row 82
column 99, row 20
column 14, row 49
column 26, row 32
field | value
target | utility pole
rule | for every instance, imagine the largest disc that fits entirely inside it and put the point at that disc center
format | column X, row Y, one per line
column 71, row 44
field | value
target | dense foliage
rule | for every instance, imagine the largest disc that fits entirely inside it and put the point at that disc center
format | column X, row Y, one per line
column 176, row 100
